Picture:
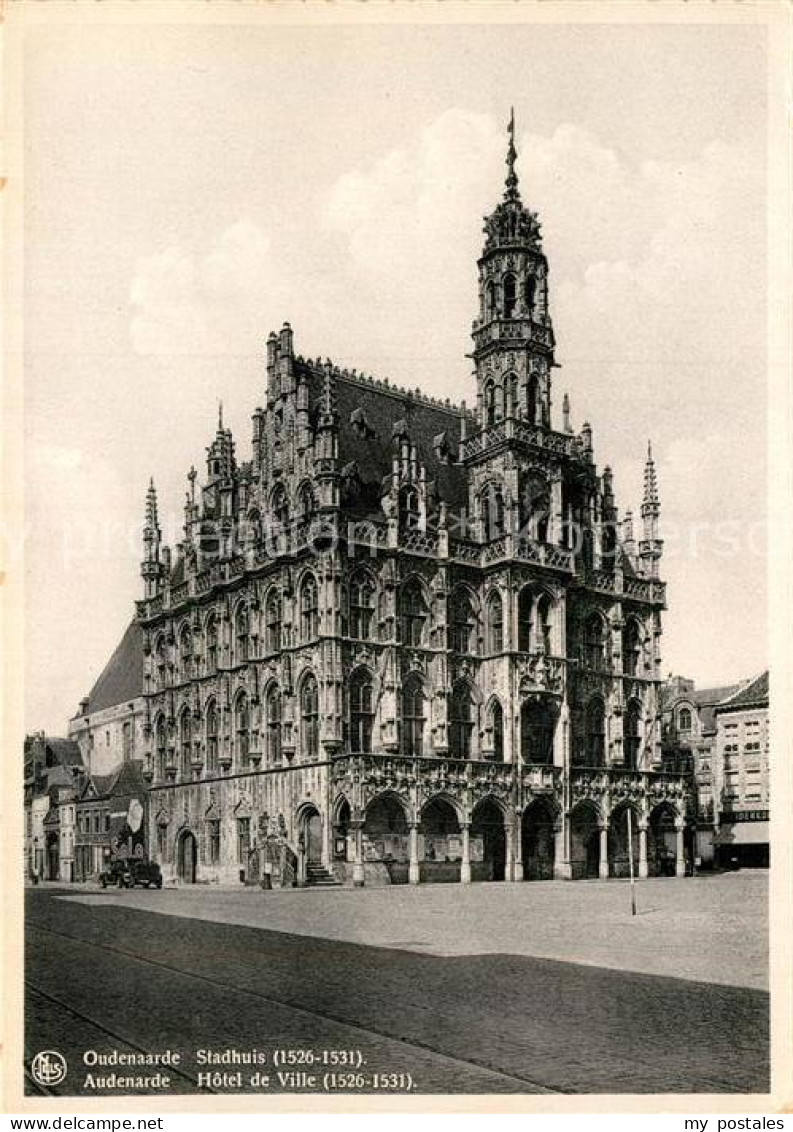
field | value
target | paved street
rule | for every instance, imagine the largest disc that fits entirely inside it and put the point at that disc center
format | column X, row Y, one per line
column 454, row 986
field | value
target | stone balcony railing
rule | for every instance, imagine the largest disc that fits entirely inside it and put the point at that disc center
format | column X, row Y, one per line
column 513, row 428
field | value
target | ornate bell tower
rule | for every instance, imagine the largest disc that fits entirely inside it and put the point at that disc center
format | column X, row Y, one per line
column 513, row 336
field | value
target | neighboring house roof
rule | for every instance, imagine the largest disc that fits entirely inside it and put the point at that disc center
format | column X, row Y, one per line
column 751, row 695
column 122, row 677
column 703, row 699
column 126, row 779
column 60, row 776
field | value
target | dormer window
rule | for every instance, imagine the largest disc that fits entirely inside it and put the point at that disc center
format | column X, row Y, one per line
column 684, row 720
column 409, row 511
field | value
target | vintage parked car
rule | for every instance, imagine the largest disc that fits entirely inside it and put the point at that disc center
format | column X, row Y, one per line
column 127, row 873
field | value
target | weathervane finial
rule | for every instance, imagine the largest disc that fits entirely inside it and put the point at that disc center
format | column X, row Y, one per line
column 512, row 177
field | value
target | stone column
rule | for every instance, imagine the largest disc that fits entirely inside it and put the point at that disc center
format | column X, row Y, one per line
column 357, row 859
column 517, row 866
column 465, row 864
column 561, row 858
column 509, row 868
column 644, row 871
column 413, row 864
column 603, row 864
column 680, row 858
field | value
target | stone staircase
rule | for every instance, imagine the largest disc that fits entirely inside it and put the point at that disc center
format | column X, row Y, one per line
column 317, row 876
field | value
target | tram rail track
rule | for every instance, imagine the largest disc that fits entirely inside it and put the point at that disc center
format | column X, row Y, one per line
column 526, row 1083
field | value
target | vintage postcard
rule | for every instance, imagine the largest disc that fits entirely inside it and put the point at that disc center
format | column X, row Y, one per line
column 398, row 527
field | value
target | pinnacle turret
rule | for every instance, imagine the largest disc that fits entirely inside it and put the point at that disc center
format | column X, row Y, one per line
column 650, row 503
column 511, row 191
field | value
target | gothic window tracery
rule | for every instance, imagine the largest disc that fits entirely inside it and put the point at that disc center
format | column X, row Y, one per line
column 631, row 647
column 595, row 734
column 510, row 295
column 632, row 734
column 594, row 642
column 212, row 737
column 462, row 622
column 212, row 643
column 413, row 716
column 309, row 710
column 533, row 399
column 273, row 621
column 279, row 507
column 161, row 661
column 186, row 652
column 162, row 748
column 495, row 622
column 497, row 730
column 361, row 607
column 309, row 609
column 544, row 622
column 242, row 727
column 490, row 403
column 361, row 711
column 493, row 521
column 242, row 634
column 525, row 619
column 511, row 395
column 413, row 613
column 185, row 742
column 461, row 724
column 308, row 501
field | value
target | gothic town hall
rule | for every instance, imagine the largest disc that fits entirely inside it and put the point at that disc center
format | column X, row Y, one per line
column 407, row 641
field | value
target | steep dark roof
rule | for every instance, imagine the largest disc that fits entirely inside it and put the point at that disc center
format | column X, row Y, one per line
column 751, row 695
column 371, row 446
column 122, row 677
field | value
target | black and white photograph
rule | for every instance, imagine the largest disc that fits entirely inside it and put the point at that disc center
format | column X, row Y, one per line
column 396, row 659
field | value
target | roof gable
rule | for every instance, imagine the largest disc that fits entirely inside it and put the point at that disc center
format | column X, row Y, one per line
column 122, row 677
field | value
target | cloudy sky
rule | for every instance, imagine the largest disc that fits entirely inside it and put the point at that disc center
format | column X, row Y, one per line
column 189, row 189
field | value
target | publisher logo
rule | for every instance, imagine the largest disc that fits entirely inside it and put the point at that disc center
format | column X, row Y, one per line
column 48, row 1067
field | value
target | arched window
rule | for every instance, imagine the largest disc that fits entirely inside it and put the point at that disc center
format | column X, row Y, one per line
column 161, row 660
column 309, row 712
column 280, row 507
column 530, row 295
column 461, row 722
column 242, row 730
column 490, row 403
column 273, row 621
column 409, row 513
column 497, row 725
column 186, row 651
column 308, row 501
column 511, row 396
column 525, row 619
column 594, row 642
column 684, row 719
column 241, row 632
column 495, row 623
column 492, row 298
column 631, row 647
column 492, row 513
column 510, row 294
column 162, row 748
column 413, row 613
column 185, row 744
column 462, row 622
column 595, row 737
column 544, row 624
column 632, row 735
column 212, row 738
column 413, row 716
column 361, row 711
column 361, row 607
column 533, row 399
column 273, row 716
column 536, row 733
column 309, row 609
column 212, row 643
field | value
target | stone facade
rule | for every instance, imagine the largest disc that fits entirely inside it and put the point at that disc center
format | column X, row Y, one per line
column 407, row 640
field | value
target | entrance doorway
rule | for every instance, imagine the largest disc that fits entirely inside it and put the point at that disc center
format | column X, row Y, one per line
column 186, row 857
column 584, row 842
column 487, row 823
column 313, row 835
column 537, row 831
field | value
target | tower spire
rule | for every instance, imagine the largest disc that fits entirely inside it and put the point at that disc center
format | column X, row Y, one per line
column 511, row 192
column 651, row 503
